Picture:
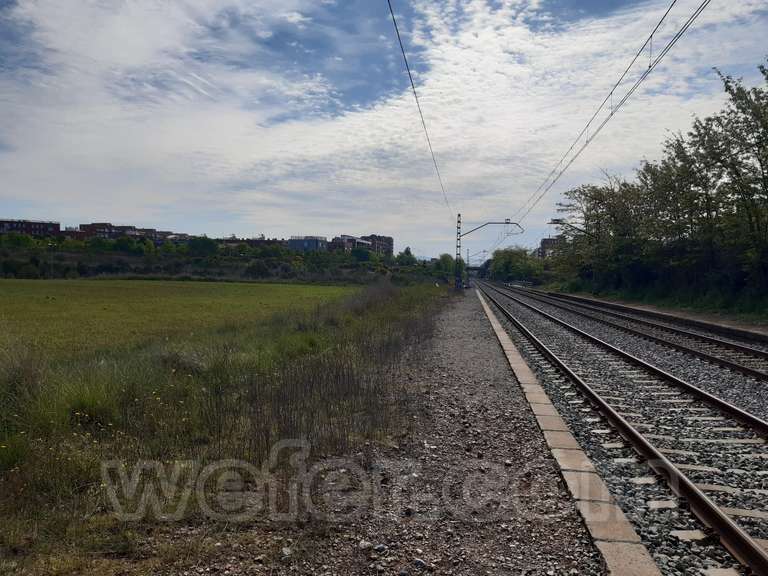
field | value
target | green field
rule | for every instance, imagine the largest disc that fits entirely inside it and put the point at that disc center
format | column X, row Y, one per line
column 63, row 318
column 93, row 371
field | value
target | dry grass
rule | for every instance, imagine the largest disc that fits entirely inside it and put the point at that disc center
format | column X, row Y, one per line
column 328, row 374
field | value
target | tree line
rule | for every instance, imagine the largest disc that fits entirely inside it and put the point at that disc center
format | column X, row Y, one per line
column 692, row 226
column 27, row 257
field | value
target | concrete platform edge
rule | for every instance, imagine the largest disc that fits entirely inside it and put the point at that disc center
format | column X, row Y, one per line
column 614, row 536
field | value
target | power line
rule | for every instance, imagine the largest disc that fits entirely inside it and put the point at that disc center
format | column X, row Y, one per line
column 602, row 105
column 542, row 190
column 418, row 105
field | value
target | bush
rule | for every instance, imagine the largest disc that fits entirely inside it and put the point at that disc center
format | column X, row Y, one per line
column 28, row 271
column 257, row 269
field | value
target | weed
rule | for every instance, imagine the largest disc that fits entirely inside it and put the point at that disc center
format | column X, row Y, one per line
column 329, row 374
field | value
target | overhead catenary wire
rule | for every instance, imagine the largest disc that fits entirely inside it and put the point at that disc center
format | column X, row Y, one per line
column 418, row 105
column 609, row 97
column 557, row 171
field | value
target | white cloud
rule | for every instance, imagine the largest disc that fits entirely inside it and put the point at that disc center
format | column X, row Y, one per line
column 123, row 123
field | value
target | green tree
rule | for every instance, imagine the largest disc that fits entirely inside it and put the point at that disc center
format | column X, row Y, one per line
column 406, row 258
column 202, row 246
column 515, row 264
column 693, row 224
column 72, row 245
column 148, row 248
column 127, row 245
column 361, row 254
column 97, row 245
column 16, row 240
column 445, row 264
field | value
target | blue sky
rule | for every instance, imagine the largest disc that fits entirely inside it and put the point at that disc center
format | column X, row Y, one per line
column 290, row 117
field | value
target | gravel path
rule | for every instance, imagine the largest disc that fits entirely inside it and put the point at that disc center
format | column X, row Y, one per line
column 471, row 490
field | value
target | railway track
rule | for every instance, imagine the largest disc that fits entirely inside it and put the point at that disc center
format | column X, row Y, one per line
column 709, row 452
column 743, row 358
column 749, row 337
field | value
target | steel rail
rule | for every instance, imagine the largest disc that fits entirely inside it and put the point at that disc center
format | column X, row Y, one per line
column 563, row 305
column 738, row 542
column 597, row 307
column 742, row 415
column 715, row 328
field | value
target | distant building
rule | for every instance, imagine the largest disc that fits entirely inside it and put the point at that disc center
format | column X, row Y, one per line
column 30, row 227
column 308, row 243
column 147, row 233
column 384, row 245
column 548, row 247
column 346, row 243
column 109, row 231
column 178, row 237
column 99, row 230
column 259, row 241
column 74, row 233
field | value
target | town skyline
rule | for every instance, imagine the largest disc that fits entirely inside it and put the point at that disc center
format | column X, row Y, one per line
column 377, row 243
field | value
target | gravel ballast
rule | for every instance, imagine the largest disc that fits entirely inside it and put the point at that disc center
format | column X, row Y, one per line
column 739, row 389
column 642, row 401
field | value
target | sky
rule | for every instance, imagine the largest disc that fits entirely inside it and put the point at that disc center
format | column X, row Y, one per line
column 293, row 117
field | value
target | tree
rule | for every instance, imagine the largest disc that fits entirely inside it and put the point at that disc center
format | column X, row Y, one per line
column 406, row 258
column 515, row 264
column 72, row 245
column 693, row 224
column 445, row 264
column 16, row 240
column 257, row 269
column 127, row 244
column 202, row 246
column 99, row 245
column 361, row 254
column 148, row 247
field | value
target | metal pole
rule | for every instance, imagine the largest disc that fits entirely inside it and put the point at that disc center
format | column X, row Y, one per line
column 459, row 235
column 466, row 264
column 457, row 270
column 50, row 247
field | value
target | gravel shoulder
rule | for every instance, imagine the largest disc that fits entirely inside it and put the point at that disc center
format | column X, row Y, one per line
column 471, row 488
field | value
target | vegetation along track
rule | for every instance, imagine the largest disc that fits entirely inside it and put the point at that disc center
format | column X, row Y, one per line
column 742, row 357
column 709, row 452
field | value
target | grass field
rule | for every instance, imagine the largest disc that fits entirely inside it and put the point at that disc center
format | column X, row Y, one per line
column 92, row 371
column 63, row 318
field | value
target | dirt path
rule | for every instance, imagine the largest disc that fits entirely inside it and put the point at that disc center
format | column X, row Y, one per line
column 472, row 490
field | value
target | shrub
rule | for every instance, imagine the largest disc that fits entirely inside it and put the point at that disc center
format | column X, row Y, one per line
column 29, row 271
